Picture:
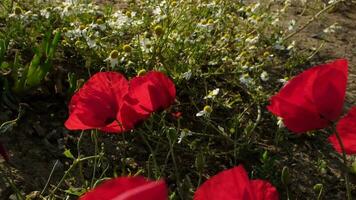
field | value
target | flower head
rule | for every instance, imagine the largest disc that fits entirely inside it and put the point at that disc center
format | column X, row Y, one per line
column 159, row 30
column 107, row 101
column 185, row 132
column 113, row 58
column 17, row 10
column 264, row 76
column 312, row 99
column 128, row 188
column 98, row 104
column 233, row 184
column 127, row 48
column 205, row 112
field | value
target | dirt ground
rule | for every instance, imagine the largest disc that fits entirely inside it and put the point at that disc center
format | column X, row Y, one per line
column 341, row 44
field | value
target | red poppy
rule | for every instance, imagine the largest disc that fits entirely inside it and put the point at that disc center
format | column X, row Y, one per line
column 128, row 188
column 312, row 99
column 234, row 184
column 3, row 152
column 107, row 101
column 346, row 127
column 97, row 103
column 149, row 93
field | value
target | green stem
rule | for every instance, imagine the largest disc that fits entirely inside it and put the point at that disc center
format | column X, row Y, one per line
column 49, row 178
column 152, row 152
column 81, row 174
column 176, row 171
column 75, row 162
column 94, row 136
column 63, row 178
column 347, row 182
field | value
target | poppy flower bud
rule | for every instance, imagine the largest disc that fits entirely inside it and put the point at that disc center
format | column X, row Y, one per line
column 318, row 187
column 285, row 178
column 159, row 30
column 232, row 130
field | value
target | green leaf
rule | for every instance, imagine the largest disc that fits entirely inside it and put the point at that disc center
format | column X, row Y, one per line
column 2, row 50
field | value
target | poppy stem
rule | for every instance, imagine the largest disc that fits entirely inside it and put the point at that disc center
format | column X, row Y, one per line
column 67, row 172
column 50, row 177
column 176, row 171
column 347, row 182
column 95, row 139
column 63, row 178
column 81, row 174
column 152, row 152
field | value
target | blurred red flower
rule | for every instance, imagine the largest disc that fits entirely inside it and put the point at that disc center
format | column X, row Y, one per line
column 3, row 152
column 312, row 99
column 346, row 127
column 109, row 102
column 128, row 188
column 177, row 114
column 234, row 184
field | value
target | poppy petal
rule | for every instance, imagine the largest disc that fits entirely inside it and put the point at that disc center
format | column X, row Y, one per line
column 3, row 152
column 130, row 116
column 307, row 101
column 151, row 92
column 329, row 89
column 263, row 190
column 297, row 118
column 96, row 104
column 229, row 184
column 128, row 188
column 346, row 127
